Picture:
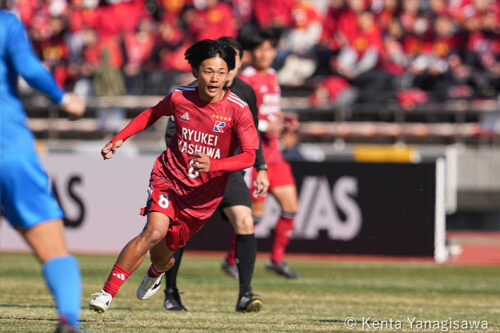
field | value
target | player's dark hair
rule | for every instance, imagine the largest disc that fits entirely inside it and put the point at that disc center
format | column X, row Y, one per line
column 260, row 37
column 209, row 48
column 233, row 43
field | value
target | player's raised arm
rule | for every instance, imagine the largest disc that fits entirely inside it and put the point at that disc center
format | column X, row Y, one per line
column 144, row 120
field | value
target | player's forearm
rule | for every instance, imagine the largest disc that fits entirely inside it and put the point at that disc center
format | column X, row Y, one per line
column 234, row 163
column 138, row 124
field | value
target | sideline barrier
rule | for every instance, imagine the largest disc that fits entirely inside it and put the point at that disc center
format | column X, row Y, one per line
column 344, row 207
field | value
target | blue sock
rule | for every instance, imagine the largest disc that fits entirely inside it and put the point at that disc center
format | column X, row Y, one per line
column 62, row 275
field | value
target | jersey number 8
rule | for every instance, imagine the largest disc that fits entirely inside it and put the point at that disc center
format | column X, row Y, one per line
column 192, row 172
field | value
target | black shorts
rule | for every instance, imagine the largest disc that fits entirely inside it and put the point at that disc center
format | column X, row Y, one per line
column 236, row 192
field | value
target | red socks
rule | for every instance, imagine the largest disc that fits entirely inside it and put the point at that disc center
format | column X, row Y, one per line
column 282, row 235
column 115, row 280
column 153, row 272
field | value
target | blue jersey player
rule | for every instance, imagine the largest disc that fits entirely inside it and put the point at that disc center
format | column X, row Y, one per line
column 26, row 199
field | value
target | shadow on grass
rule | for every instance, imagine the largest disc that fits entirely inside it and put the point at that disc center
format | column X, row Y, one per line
column 55, row 319
column 25, row 306
column 32, row 306
column 329, row 321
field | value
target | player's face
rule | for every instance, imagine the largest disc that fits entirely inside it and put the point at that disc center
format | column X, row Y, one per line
column 212, row 74
column 263, row 55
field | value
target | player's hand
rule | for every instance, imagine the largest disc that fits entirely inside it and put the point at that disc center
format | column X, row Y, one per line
column 201, row 162
column 111, row 147
column 261, row 183
column 274, row 128
column 74, row 106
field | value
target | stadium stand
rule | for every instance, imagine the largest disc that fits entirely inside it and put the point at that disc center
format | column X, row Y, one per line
column 417, row 71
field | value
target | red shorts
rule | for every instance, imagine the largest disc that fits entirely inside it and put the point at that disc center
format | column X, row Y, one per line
column 280, row 174
column 182, row 226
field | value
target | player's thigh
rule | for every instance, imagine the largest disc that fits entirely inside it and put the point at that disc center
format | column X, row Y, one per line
column 46, row 239
column 241, row 219
column 287, row 197
column 157, row 226
column 27, row 198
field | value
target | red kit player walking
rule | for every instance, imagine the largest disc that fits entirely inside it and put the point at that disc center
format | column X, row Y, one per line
column 263, row 79
column 188, row 180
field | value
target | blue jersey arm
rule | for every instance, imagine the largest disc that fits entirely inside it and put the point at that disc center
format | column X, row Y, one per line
column 27, row 64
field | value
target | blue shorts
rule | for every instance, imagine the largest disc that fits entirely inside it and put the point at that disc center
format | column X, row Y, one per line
column 26, row 196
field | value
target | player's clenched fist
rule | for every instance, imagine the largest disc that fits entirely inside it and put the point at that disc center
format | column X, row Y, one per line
column 201, row 162
column 111, row 147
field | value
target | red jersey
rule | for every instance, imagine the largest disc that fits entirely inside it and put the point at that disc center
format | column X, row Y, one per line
column 214, row 22
column 268, row 95
column 216, row 129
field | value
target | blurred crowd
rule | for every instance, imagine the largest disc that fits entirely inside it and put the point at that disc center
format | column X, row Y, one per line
column 346, row 51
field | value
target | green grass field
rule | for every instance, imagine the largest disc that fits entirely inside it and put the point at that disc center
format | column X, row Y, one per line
column 328, row 294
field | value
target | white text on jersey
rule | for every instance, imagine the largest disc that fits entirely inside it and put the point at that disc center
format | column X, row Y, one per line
column 199, row 137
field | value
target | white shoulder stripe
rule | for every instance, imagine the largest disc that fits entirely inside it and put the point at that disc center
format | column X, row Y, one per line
column 240, row 103
column 236, row 97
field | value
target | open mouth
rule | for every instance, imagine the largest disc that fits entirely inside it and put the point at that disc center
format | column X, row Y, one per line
column 212, row 89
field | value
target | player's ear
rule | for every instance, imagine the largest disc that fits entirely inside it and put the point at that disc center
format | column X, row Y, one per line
column 195, row 73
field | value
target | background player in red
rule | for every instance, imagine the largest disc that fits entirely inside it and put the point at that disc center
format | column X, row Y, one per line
column 188, row 180
column 263, row 79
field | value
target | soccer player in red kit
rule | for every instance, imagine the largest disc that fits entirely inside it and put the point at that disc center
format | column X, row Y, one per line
column 263, row 79
column 188, row 180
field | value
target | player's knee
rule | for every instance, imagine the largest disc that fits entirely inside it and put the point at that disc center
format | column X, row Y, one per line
column 290, row 207
column 153, row 236
column 245, row 225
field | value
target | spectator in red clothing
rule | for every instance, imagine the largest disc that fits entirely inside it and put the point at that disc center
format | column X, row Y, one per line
column 387, row 14
column 339, row 29
column 55, row 52
column 348, row 24
column 363, row 51
column 120, row 17
column 170, row 46
column 358, row 61
column 431, row 68
column 211, row 19
column 331, row 91
column 409, row 14
column 138, row 48
column 330, row 23
column 306, row 28
column 82, row 14
column 483, row 53
column 274, row 15
column 393, row 58
column 166, row 66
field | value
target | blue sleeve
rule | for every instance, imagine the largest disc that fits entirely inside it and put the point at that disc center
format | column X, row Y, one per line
column 27, row 64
